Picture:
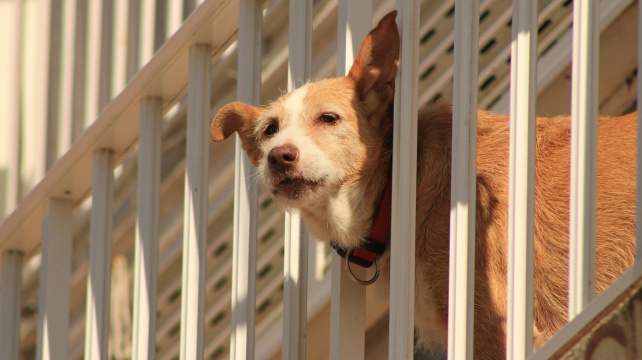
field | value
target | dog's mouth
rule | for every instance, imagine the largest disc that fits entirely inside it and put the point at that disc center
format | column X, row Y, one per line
column 295, row 187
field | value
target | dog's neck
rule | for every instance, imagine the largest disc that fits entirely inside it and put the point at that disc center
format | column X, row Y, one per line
column 347, row 217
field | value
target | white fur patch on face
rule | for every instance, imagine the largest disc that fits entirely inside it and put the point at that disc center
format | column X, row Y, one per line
column 296, row 127
column 324, row 182
column 294, row 103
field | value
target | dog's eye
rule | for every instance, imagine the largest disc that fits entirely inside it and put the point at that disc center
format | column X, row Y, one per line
column 329, row 118
column 271, row 129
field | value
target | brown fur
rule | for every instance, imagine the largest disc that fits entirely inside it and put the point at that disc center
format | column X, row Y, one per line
column 349, row 178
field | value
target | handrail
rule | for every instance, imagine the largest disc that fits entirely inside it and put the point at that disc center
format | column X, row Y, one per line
column 165, row 76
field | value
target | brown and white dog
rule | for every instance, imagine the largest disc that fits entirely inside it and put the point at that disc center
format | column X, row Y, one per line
column 325, row 150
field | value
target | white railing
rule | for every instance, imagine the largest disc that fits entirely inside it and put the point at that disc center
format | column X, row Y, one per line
column 47, row 210
column 463, row 191
column 519, row 330
column 246, row 190
column 43, row 224
column 63, row 62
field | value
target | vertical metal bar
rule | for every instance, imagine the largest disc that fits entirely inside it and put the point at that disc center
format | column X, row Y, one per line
column 55, row 281
column 295, row 288
column 98, row 58
column 295, row 268
column 147, row 31
column 80, row 70
column 246, row 189
column 519, row 344
column 300, row 44
column 54, row 64
column 160, row 24
column 347, row 301
column 65, row 119
column 11, row 25
column 121, row 31
column 195, row 217
column 404, row 184
column 92, row 62
column 463, row 187
column 133, row 39
column 33, row 85
column 100, row 241
column 147, row 225
column 106, row 51
column 174, row 16
column 583, row 154
column 10, row 299
column 347, row 313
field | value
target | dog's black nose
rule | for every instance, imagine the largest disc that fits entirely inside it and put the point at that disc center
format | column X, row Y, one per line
column 282, row 158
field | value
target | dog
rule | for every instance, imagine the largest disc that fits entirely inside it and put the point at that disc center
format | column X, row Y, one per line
column 325, row 150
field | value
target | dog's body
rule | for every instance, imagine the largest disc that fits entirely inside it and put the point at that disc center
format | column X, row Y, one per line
column 325, row 150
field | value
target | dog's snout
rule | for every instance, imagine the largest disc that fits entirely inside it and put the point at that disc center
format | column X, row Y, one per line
column 283, row 157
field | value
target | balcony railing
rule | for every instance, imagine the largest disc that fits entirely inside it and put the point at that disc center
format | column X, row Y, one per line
column 84, row 188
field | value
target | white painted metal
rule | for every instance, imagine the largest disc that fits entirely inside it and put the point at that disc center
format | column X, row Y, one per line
column 134, row 38
column 463, row 188
column 50, row 180
column 147, row 26
column 584, row 107
column 321, row 261
column 272, row 332
column 246, row 189
column 10, row 304
column 92, row 61
column 80, row 70
column 300, row 47
column 174, row 16
column 55, row 279
column 295, row 268
column 404, row 184
column 106, row 51
column 347, row 310
column 521, row 208
column 295, row 292
column 195, row 210
column 114, row 129
column 121, row 31
column 347, row 313
column 53, row 64
column 557, row 58
column 10, row 24
column 65, row 117
column 34, row 78
column 100, row 241
column 147, row 225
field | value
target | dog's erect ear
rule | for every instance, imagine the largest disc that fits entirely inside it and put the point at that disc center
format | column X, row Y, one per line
column 375, row 67
column 241, row 118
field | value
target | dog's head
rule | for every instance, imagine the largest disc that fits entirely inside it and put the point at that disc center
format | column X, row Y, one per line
column 324, row 136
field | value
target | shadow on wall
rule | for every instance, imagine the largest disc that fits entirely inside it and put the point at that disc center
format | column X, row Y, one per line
column 4, row 198
column 436, row 353
column 10, row 200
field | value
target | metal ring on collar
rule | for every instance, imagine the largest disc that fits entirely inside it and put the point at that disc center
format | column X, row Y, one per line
column 356, row 279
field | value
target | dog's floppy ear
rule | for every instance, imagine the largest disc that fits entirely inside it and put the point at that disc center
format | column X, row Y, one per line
column 241, row 118
column 375, row 67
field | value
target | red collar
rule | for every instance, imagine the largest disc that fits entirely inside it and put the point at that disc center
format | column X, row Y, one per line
column 376, row 243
